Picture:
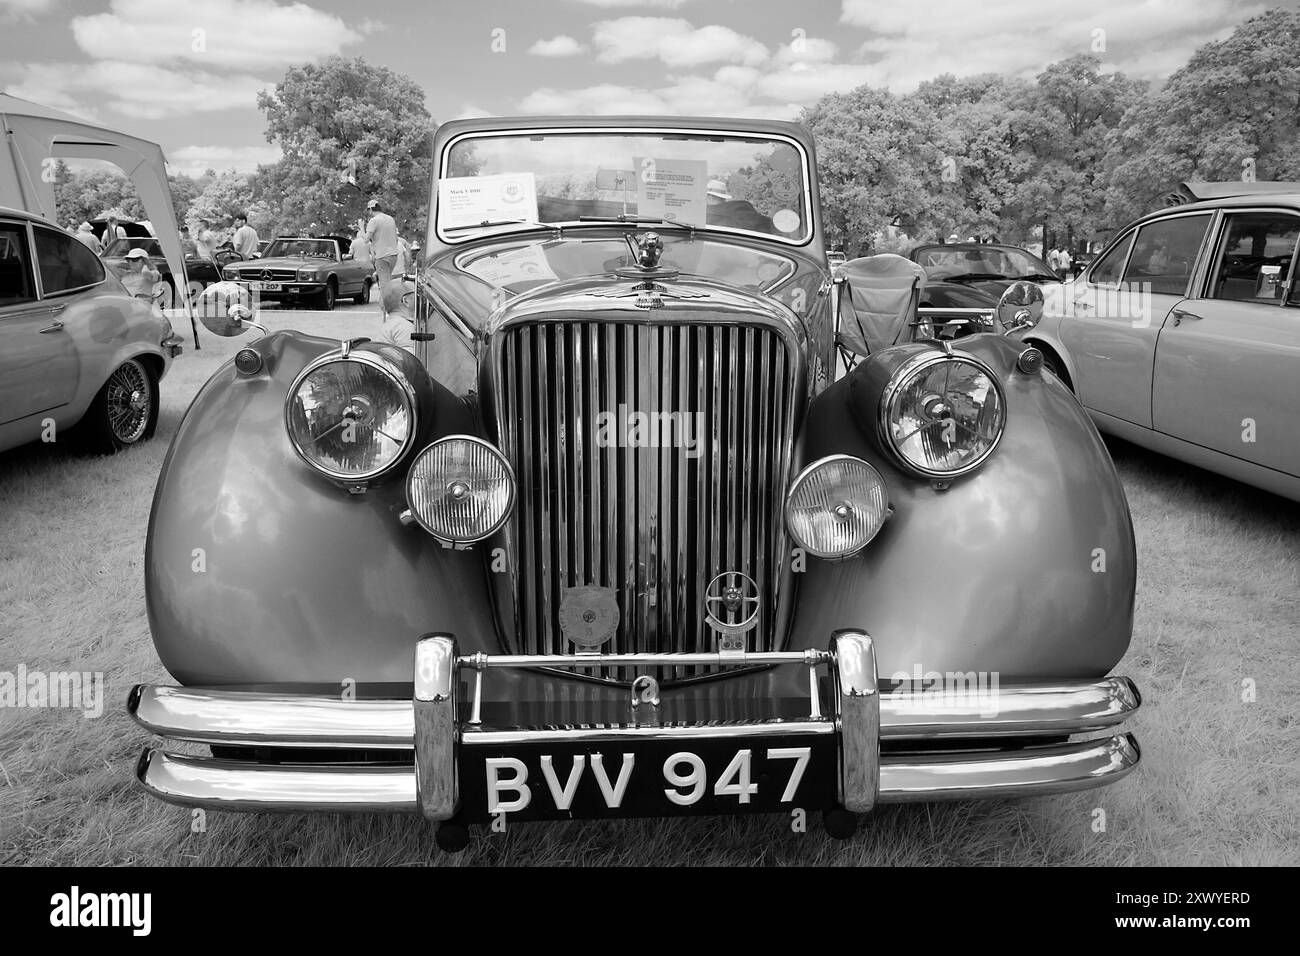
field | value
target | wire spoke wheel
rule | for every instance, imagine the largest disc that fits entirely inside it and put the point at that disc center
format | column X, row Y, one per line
column 129, row 401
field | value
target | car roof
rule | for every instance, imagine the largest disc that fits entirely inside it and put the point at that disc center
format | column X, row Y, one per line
column 12, row 212
column 1261, row 198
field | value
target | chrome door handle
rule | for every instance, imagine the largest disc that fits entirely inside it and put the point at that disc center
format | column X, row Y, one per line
column 1180, row 314
column 55, row 326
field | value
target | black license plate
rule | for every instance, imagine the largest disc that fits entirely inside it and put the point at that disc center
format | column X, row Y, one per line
column 647, row 777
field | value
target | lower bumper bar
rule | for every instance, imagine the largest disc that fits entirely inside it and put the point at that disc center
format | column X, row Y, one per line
column 236, row 785
column 983, row 744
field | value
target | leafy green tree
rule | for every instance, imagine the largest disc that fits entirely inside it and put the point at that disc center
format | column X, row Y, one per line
column 350, row 131
column 878, row 161
column 90, row 193
column 228, row 194
column 1232, row 112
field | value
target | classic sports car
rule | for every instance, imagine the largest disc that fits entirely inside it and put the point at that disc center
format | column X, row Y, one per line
column 320, row 269
column 201, row 272
column 80, row 358
column 1184, row 334
column 985, row 266
column 611, row 539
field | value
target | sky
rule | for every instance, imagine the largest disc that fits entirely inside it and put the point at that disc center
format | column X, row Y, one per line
column 186, row 73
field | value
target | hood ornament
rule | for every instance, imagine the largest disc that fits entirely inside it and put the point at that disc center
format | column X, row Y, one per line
column 646, row 249
column 649, row 294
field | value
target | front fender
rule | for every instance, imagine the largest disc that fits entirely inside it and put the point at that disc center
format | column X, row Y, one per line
column 259, row 571
column 1027, row 567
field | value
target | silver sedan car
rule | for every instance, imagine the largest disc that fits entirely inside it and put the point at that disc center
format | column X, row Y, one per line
column 80, row 356
column 1184, row 334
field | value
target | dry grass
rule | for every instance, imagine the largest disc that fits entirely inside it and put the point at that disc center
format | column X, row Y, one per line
column 1218, row 603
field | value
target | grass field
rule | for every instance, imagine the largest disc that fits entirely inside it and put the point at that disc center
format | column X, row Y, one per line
column 1218, row 605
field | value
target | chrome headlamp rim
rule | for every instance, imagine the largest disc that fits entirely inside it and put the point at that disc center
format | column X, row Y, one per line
column 904, row 373
column 803, row 475
column 506, row 512
column 385, row 367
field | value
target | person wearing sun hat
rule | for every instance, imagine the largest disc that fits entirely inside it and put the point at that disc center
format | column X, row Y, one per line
column 140, row 276
column 85, row 234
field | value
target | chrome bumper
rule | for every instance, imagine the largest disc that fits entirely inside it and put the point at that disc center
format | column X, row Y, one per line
column 860, row 718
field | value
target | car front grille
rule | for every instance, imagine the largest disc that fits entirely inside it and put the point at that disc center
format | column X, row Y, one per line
column 268, row 275
column 652, row 524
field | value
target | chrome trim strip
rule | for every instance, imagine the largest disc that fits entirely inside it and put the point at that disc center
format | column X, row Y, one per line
column 434, row 725
column 857, row 719
column 589, row 735
column 237, row 785
column 1076, row 766
column 216, row 716
column 1066, row 708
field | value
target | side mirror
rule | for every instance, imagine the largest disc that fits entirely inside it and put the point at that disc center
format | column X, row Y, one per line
column 227, row 309
column 347, row 256
column 1021, row 307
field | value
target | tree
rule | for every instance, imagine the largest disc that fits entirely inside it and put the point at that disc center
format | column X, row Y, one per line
column 91, row 193
column 350, row 132
column 878, row 160
column 228, row 194
column 1232, row 112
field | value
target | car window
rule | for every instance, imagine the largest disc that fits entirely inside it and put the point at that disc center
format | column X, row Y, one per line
column 1108, row 268
column 16, row 283
column 1164, row 253
column 1253, row 261
column 65, row 263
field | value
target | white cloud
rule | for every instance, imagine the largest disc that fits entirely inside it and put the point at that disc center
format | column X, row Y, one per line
column 24, row 9
column 557, row 46
column 677, row 43
column 912, row 42
column 236, row 34
column 729, row 92
column 134, row 89
column 193, row 161
column 472, row 111
column 624, row 4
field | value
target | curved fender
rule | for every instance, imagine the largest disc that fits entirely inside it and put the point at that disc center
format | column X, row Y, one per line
column 260, row 571
column 1026, row 567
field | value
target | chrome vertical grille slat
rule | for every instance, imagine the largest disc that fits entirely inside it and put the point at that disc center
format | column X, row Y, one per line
column 650, row 523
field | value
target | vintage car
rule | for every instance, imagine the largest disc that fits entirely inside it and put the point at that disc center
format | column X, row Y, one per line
column 1184, row 335
column 80, row 358
column 201, row 272
column 293, row 269
column 988, row 267
column 612, row 539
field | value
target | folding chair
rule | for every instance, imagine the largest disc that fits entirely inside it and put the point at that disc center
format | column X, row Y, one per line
column 885, row 291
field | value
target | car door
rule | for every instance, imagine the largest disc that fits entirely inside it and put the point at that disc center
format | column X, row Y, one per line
column 1227, row 373
column 1119, row 307
column 38, row 359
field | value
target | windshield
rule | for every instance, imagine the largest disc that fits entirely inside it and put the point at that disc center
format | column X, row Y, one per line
column 300, row 249
column 942, row 262
column 741, row 183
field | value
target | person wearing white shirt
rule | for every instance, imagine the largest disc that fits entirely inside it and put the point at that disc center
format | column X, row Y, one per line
column 204, row 240
column 245, row 238
column 86, row 236
column 381, row 231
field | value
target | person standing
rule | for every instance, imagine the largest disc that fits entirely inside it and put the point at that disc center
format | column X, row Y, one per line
column 112, row 231
column 204, row 240
column 86, row 236
column 381, row 231
column 245, row 237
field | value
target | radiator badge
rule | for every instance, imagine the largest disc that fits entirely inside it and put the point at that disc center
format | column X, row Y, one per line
column 588, row 617
column 731, row 606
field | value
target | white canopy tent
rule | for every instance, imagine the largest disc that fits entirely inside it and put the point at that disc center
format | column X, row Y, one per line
column 35, row 135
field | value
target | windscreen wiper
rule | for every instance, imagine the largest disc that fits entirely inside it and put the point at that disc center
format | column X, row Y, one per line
column 495, row 222
column 972, row 275
column 620, row 218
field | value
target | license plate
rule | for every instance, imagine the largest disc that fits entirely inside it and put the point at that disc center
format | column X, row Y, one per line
column 264, row 286
column 648, row 777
